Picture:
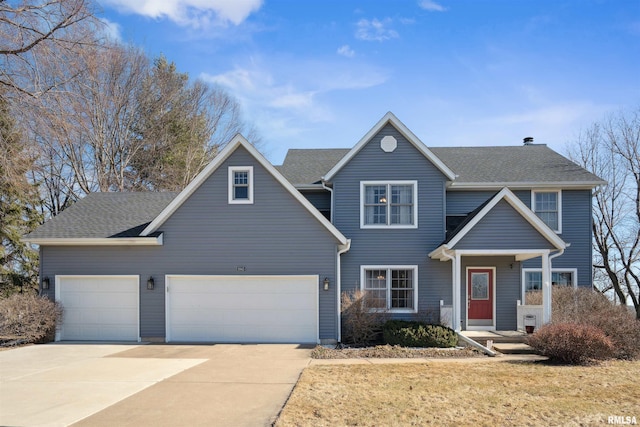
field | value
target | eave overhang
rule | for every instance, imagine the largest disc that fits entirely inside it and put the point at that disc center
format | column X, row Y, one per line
column 98, row 241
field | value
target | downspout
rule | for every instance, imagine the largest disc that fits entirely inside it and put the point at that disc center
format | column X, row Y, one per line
column 330, row 190
column 341, row 249
column 551, row 257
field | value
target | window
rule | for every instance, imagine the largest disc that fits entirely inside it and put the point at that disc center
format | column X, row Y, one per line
column 388, row 204
column 547, row 205
column 241, row 185
column 532, row 279
column 393, row 288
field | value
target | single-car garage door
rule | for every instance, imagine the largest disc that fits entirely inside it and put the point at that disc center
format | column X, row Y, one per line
column 98, row 308
column 282, row 309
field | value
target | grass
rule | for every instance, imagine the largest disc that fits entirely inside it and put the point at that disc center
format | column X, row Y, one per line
column 452, row 393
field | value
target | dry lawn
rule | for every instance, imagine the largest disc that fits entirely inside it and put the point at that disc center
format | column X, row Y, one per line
column 475, row 394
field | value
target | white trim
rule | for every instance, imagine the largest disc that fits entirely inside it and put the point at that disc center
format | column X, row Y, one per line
column 559, row 201
column 363, row 268
column 521, row 208
column 232, row 171
column 400, row 127
column 167, row 282
column 341, row 250
column 94, row 276
column 573, row 185
column 99, row 241
column 389, row 183
column 240, row 141
column 573, row 271
column 466, row 286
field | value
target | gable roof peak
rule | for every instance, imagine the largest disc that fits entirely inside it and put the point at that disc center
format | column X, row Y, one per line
column 390, row 118
column 239, row 141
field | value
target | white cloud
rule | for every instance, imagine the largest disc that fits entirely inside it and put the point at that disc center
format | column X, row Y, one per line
column 287, row 98
column 345, row 50
column 112, row 30
column 375, row 30
column 431, row 6
column 193, row 13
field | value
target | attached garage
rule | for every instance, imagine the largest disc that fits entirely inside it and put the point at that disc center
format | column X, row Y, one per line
column 259, row 309
column 99, row 308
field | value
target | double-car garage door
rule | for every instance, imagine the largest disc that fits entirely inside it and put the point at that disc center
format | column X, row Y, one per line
column 197, row 308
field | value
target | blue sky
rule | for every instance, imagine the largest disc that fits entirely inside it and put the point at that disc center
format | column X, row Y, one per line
column 314, row 74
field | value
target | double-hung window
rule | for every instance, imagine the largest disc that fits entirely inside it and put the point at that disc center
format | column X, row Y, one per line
column 532, row 279
column 390, row 204
column 392, row 288
column 548, row 206
column 241, row 184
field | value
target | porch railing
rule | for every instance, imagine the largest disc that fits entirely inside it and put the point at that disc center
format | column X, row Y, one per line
column 446, row 314
column 528, row 315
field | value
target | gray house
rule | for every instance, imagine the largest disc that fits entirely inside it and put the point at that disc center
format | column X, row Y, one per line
column 251, row 252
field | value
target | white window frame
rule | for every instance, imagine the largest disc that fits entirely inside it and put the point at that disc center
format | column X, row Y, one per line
column 364, row 184
column 573, row 271
column 232, row 171
column 414, row 268
column 551, row 190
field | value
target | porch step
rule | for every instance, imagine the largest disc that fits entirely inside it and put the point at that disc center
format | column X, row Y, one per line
column 506, row 342
column 514, row 348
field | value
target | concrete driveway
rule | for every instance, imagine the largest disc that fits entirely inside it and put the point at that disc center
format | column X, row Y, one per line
column 155, row 384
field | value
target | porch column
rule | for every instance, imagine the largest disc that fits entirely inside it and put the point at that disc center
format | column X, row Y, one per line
column 546, row 288
column 457, row 326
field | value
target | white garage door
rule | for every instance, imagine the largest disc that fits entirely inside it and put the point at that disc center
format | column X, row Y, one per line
column 242, row 309
column 98, row 308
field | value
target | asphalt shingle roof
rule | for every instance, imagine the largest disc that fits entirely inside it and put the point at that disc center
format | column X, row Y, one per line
column 100, row 215
column 526, row 163
column 307, row 166
column 519, row 164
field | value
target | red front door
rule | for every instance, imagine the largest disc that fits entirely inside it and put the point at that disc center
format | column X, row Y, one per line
column 480, row 291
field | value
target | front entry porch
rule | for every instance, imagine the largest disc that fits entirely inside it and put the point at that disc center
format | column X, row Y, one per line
column 486, row 251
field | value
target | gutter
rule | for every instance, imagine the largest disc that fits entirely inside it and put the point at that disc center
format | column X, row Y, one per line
column 341, row 250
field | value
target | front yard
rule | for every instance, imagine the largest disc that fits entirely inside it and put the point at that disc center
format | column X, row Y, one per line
column 455, row 393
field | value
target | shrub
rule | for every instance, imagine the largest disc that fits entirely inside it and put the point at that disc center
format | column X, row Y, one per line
column 585, row 306
column 418, row 334
column 361, row 321
column 572, row 343
column 26, row 318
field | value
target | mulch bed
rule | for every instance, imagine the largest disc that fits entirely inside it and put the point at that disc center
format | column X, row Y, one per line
column 388, row 351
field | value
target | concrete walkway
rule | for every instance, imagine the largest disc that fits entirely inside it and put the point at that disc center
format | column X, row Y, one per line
column 159, row 385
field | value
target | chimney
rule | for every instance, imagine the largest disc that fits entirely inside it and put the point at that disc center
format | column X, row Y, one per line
column 528, row 140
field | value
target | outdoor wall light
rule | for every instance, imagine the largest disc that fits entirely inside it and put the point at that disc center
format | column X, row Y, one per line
column 325, row 282
column 150, row 283
column 45, row 283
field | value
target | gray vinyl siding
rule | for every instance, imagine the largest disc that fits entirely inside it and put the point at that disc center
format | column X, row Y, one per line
column 508, row 288
column 275, row 235
column 503, row 228
column 576, row 230
column 465, row 202
column 394, row 246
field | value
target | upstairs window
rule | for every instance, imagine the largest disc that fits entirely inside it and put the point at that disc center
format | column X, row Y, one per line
column 388, row 204
column 547, row 205
column 241, row 185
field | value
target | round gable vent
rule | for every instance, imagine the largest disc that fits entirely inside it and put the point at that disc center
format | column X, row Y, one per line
column 388, row 144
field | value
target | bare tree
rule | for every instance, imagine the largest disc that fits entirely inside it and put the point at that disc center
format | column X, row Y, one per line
column 611, row 150
column 38, row 39
column 124, row 125
column 86, row 131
